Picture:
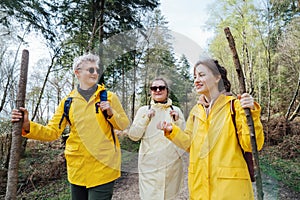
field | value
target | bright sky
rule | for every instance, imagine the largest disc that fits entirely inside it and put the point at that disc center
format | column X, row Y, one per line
column 188, row 18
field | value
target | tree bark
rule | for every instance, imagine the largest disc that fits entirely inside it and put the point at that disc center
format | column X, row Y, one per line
column 295, row 113
column 250, row 123
column 292, row 103
column 134, row 87
column 15, row 151
column 101, row 38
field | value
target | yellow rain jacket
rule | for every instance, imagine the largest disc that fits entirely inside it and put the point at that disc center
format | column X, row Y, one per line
column 217, row 169
column 160, row 164
column 92, row 158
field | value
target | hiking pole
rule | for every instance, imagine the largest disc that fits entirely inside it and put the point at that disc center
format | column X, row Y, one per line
column 16, row 143
column 250, row 123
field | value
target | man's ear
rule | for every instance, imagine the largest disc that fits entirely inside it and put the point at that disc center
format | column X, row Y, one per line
column 76, row 73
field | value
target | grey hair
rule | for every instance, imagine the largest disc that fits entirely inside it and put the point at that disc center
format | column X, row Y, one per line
column 84, row 58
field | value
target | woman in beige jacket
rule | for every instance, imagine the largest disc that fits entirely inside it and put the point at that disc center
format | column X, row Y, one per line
column 160, row 163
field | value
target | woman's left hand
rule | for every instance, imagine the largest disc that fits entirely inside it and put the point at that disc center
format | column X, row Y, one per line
column 174, row 114
column 247, row 101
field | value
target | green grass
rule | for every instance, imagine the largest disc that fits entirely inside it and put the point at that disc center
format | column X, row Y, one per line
column 53, row 190
column 285, row 170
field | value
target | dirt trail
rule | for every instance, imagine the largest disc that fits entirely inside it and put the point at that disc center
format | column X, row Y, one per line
column 127, row 186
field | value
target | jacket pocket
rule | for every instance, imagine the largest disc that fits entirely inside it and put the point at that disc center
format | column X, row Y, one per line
column 233, row 173
column 233, row 183
column 73, row 155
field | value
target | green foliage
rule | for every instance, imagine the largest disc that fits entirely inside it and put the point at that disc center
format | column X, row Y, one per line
column 267, row 47
column 285, row 170
column 129, row 145
column 33, row 13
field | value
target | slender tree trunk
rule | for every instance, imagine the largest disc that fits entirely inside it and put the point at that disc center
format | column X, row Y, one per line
column 295, row 113
column 250, row 122
column 123, row 82
column 43, row 87
column 15, row 151
column 7, row 86
column 101, row 38
column 293, row 100
column 269, row 83
column 134, row 87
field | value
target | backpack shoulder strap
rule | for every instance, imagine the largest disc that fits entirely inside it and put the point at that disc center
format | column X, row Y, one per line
column 172, row 109
column 247, row 155
column 232, row 109
column 67, row 106
column 103, row 97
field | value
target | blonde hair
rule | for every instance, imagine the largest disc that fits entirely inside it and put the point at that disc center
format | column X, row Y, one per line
column 85, row 58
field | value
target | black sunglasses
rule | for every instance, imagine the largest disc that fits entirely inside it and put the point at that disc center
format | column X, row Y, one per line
column 154, row 88
column 92, row 70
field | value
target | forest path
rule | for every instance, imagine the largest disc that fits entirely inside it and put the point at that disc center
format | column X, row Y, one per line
column 127, row 186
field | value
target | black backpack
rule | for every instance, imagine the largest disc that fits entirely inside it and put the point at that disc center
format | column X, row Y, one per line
column 67, row 105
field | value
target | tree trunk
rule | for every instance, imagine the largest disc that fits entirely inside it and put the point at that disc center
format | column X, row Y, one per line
column 124, row 105
column 295, row 113
column 7, row 86
column 44, row 85
column 293, row 101
column 101, row 38
column 134, row 87
column 15, row 151
column 250, row 122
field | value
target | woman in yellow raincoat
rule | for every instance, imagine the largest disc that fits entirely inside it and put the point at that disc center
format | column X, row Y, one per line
column 92, row 149
column 160, row 163
column 217, row 169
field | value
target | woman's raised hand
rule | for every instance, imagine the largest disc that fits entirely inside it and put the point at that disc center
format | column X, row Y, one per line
column 165, row 126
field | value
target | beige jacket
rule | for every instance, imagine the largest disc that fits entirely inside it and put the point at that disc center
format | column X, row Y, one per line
column 160, row 163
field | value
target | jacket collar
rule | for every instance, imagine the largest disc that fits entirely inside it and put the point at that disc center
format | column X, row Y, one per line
column 162, row 105
column 219, row 103
column 75, row 93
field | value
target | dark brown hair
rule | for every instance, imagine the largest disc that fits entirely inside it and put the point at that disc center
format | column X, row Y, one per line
column 216, row 69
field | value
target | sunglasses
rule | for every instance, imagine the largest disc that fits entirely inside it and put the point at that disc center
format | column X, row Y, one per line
column 92, row 70
column 154, row 88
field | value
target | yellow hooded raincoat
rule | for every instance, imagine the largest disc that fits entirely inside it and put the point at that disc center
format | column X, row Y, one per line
column 92, row 158
column 160, row 163
column 217, row 169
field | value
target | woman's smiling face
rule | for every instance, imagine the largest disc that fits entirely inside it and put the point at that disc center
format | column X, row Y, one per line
column 159, row 91
column 205, row 81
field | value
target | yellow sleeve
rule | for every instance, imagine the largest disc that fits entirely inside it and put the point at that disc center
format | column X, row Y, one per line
column 50, row 131
column 243, row 128
column 119, row 120
column 182, row 138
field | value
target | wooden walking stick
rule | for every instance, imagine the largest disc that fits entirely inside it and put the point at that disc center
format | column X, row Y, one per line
column 15, row 151
column 250, row 123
